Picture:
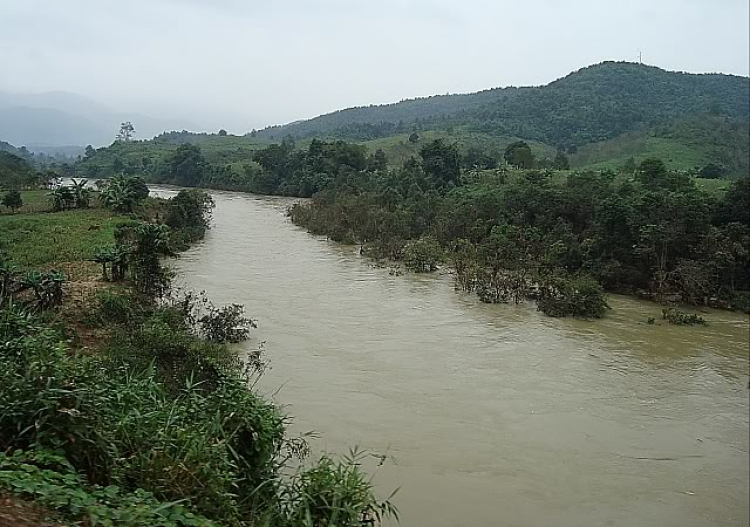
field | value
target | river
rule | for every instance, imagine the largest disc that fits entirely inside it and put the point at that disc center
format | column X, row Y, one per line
column 493, row 415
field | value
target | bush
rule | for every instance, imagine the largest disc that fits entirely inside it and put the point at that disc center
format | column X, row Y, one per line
column 678, row 318
column 422, row 255
column 579, row 296
column 333, row 493
column 51, row 481
column 225, row 324
column 741, row 302
column 161, row 430
column 117, row 307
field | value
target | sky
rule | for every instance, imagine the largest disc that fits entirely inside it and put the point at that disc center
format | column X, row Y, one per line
column 248, row 64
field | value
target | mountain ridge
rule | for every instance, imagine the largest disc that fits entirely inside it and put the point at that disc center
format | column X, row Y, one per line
column 531, row 112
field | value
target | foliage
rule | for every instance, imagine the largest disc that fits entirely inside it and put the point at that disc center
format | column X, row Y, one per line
column 62, row 198
column 579, row 296
column 422, row 255
column 123, row 193
column 225, row 324
column 50, row 480
column 507, row 230
column 16, row 173
column 678, row 318
column 12, row 199
column 519, row 155
column 189, row 213
column 334, row 493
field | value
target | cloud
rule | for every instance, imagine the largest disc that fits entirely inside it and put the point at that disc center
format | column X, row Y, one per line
column 243, row 64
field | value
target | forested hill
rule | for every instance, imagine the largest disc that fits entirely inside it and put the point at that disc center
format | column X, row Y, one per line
column 367, row 122
column 596, row 103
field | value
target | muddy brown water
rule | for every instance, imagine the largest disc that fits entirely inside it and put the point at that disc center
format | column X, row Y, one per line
column 492, row 415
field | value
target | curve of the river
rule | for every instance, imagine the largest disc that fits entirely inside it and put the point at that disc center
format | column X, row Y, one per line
column 494, row 415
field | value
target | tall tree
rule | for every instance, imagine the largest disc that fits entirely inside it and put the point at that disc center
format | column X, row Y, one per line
column 441, row 163
column 126, row 133
column 519, row 155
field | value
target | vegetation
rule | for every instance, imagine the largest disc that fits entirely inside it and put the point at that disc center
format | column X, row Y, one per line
column 558, row 239
column 159, row 426
column 12, row 200
column 617, row 109
column 678, row 318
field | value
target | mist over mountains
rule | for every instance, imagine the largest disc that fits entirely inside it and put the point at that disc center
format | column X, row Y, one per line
column 50, row 120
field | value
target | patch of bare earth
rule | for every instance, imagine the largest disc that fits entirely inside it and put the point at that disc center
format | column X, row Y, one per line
column 19, row 513
column 84, row 283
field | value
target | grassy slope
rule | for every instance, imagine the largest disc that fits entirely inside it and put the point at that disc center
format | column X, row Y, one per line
column 398, row 148
column 46, row 240
column 683, row 145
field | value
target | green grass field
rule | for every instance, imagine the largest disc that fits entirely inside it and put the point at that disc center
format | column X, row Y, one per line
column 33, row 201
column 47, row 240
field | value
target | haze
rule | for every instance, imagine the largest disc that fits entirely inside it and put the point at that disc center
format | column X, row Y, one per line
column 243, row 65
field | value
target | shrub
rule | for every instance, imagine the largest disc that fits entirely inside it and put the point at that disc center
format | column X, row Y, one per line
column 117, row 307
column 678, row 318
column 51, row 481
column 333, row 493
column 225, row 324
column 422, row 255
column 578, row 296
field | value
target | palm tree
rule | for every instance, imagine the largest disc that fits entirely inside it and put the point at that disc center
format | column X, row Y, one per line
column 82, row 195
column 117, row 257
column 151, row 243
column 122, row 193
column 62, row 198
column 47, row 288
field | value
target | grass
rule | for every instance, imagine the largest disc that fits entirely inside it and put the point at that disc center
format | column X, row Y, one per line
column 33, row 201
column 398, row 148
column 45, row 240
column 689, row 143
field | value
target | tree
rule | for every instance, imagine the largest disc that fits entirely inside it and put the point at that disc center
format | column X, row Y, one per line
column 711, row 171
column 414, row 138
column 89, row 152
column 12, row 199
column 151, row 243
column 186, row 166
column 126, row 133
column 81, row 194
column 441, row 163
column 62, row 198
column 123, row 193
column 222, row 133
column 519, row 155
column 561, row 161
column 379, row 161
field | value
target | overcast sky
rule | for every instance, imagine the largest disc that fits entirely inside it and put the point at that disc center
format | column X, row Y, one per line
column 241, row 64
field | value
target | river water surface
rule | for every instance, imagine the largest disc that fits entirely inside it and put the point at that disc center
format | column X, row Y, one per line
column 493, row 415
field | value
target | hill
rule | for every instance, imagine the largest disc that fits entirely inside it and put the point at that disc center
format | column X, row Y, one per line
column 595, row 103
column 606, row 100
column 369, row 122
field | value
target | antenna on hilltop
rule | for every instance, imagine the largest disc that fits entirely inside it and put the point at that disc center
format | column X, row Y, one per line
column 640, row 57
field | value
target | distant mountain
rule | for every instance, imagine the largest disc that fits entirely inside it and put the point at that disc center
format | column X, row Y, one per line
column 60, row 119
column 593, row 104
